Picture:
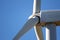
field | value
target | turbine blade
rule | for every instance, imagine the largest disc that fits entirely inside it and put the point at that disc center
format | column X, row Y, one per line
column 28, row 25
column 38, row 31
column 36, row 6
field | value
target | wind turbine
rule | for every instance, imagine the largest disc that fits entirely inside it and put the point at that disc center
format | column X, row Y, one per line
column 33, row 21
column 48, row 18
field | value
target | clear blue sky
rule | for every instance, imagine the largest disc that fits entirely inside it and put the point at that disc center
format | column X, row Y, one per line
column 14, row 13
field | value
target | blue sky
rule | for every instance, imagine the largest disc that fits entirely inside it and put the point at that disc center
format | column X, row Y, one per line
column 14, row 13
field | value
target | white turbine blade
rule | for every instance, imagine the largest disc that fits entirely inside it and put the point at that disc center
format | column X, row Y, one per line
column 36, row 11
column 28, row 25
column 36, row 6
column 38, row 31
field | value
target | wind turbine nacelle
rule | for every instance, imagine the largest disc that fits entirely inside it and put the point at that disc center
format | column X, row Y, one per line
column 50, row 16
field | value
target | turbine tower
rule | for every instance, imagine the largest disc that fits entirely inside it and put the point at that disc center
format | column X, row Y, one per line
column 48, row 18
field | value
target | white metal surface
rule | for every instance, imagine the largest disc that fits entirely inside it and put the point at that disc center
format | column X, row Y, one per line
column 36, row 6
column 50, row 31
column 50, row 16
column 27, row 26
